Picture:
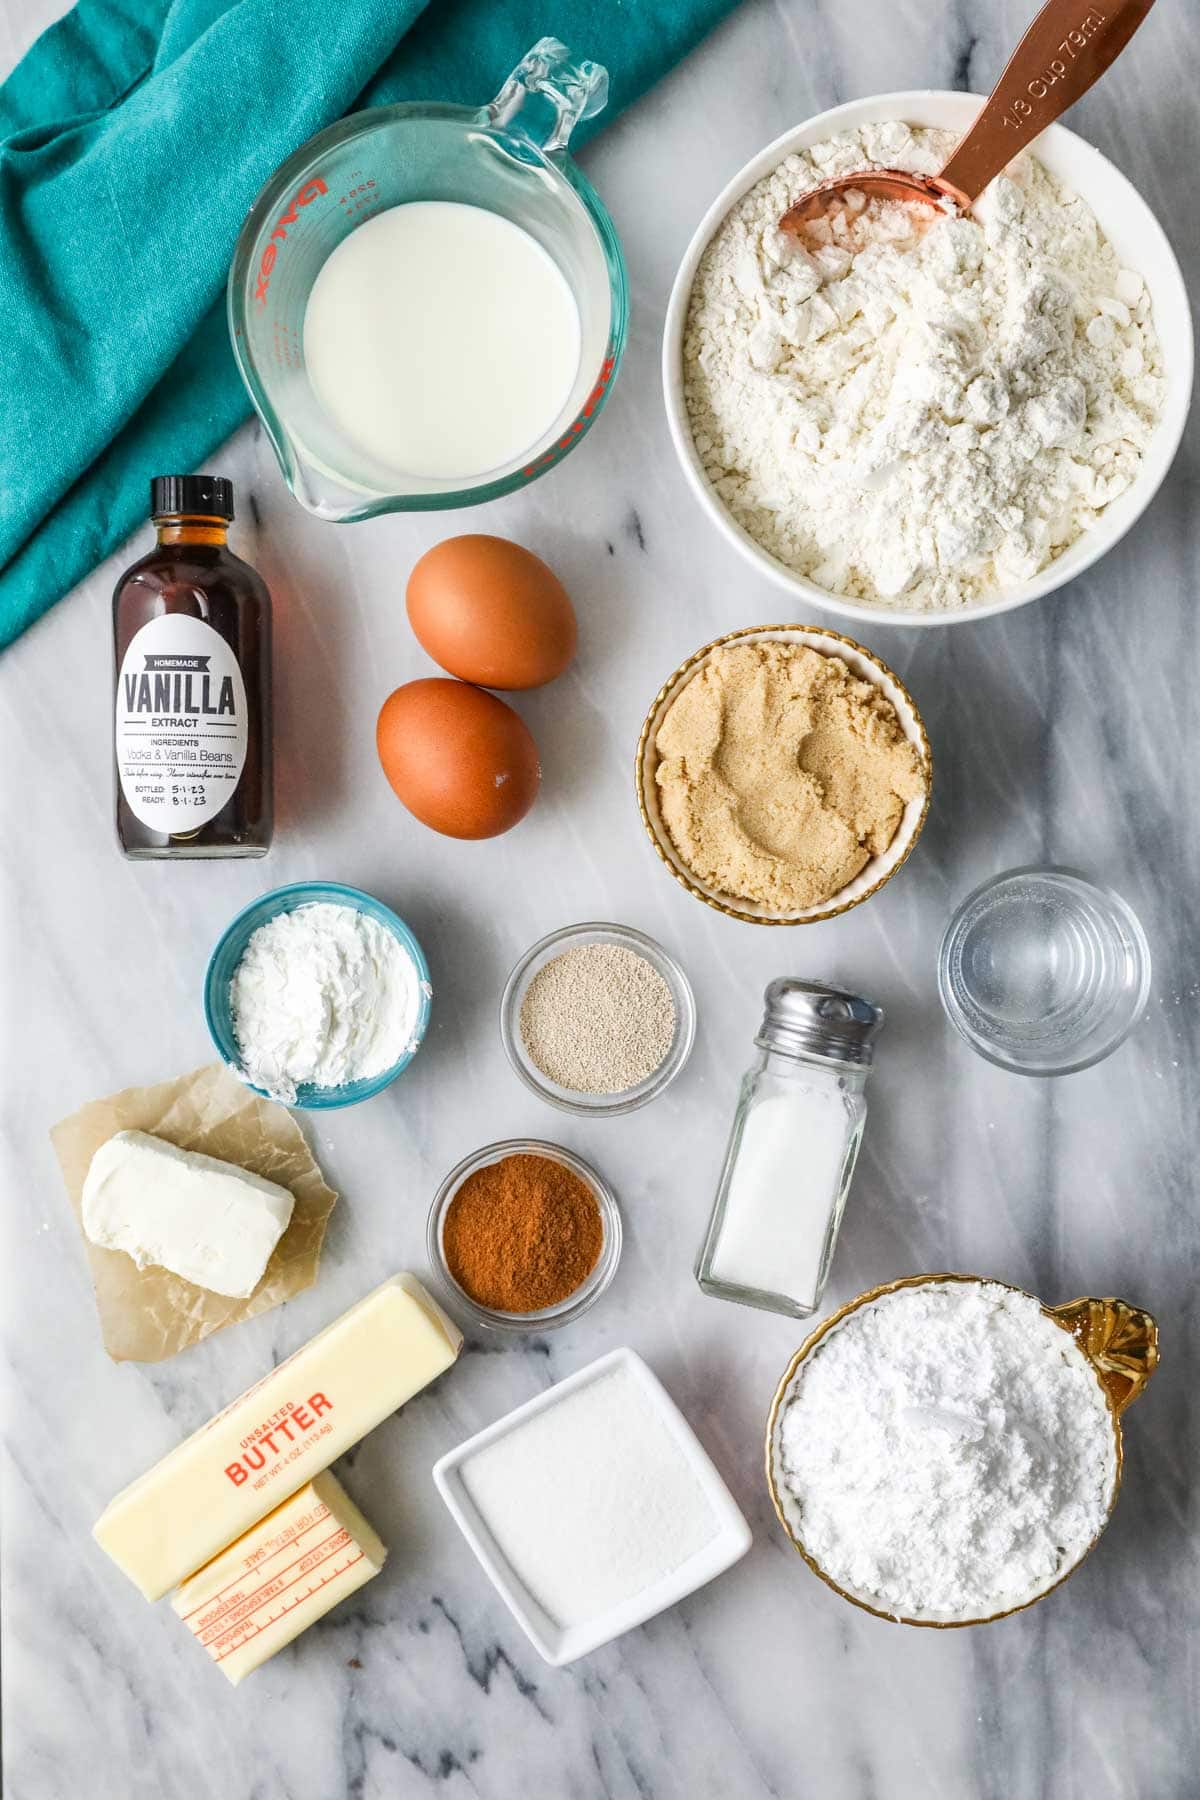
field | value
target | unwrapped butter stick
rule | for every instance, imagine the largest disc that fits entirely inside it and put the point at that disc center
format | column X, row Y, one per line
column 207, row 1221
column 280, row 1578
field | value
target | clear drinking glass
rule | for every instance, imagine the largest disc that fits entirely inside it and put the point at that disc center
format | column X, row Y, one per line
column 508, row 157
column 1044, row 972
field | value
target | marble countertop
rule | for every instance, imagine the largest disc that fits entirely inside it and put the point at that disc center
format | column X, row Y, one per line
column 1064, row 732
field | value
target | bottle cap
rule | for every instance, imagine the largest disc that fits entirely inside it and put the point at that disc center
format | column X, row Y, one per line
column 808, row 1018
column 209, row 495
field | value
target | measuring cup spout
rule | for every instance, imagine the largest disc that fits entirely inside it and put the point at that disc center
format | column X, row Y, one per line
column 317, row 491
column 571, row 87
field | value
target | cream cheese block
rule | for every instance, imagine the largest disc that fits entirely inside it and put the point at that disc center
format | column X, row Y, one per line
column 280, row 1578
column 207, row 1221
column 279, row 1434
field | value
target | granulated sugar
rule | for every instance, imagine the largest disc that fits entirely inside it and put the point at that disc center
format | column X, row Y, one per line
column 949, row 1451
column 597, row 1019
column 592, row 1500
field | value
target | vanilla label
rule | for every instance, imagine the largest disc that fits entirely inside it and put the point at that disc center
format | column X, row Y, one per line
column 181, row 726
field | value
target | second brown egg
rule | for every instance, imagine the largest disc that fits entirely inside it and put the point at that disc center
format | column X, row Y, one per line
column 491, row 612
column 460, row 760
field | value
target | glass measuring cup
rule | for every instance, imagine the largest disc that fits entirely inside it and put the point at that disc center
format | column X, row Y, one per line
column 508, row 157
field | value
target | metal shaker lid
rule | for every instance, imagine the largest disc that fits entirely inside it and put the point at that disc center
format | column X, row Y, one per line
column 808, row 1018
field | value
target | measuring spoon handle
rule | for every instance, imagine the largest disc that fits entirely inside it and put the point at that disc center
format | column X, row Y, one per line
column 1066, row 49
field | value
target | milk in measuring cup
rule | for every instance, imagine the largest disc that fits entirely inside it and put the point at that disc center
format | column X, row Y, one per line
column 442, row 339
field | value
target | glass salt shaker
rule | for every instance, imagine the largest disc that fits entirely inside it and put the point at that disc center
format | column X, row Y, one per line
column 792, row 1150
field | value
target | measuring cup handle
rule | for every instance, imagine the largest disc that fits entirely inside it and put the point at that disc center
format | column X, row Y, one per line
column 574, row 87
column 1064, row 52
column 1120, row 1341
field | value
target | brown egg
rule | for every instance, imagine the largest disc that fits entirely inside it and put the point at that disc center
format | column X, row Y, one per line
column 491, row 612
column 459, row 759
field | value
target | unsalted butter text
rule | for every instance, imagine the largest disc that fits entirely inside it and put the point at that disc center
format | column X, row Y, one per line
column 302, row 1416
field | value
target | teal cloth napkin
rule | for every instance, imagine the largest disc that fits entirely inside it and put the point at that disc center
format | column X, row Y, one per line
column 133, row 137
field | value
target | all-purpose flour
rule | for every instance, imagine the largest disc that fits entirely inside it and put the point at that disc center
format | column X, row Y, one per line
column 914, row 413
column 948, row 1450
column 322, row 995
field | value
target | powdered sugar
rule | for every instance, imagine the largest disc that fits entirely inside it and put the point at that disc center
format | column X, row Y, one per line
column 918, row 414
column 949, row 1451
column 323, row 995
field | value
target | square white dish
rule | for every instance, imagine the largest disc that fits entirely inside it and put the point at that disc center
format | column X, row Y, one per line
column 558, row 1643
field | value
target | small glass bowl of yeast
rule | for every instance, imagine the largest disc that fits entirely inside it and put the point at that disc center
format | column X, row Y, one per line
column 578, row 1100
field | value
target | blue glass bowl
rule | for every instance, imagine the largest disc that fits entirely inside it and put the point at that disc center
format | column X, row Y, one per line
column 231, row 948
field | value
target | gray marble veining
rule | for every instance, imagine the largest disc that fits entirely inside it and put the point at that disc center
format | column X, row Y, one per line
column 1066, row 731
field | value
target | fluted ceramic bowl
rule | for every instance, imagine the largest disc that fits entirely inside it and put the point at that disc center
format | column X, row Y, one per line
column 879, row 869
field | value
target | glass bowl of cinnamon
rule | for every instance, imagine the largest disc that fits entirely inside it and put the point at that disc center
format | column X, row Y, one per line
column 525, row 1235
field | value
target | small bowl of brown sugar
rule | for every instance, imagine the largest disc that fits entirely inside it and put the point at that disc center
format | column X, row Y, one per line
column 597, row 1019
column 525, row 1235
column 783, row 774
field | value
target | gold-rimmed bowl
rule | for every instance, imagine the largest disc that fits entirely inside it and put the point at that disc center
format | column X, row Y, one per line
column 879, row 869
column 1120, row 1342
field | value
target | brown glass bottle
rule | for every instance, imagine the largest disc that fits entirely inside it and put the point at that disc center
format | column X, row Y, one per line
column 192, row 691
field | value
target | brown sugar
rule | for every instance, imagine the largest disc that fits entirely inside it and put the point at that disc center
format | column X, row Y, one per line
column 522, row 1234
column 782, row 774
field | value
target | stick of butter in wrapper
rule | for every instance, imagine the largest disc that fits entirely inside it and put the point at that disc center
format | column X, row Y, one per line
column 279, row 1434
column 287, row 1572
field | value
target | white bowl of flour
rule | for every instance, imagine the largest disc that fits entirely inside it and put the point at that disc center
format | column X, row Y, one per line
column 935, row 431
column 945, row 1450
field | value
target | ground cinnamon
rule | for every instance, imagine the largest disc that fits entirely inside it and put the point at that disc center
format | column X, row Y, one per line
column 522, row 1233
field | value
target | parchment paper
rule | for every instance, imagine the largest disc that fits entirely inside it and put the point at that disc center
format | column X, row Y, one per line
column 147, row 1315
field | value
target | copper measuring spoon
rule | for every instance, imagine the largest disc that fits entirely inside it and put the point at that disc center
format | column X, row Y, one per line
column 1064, row 52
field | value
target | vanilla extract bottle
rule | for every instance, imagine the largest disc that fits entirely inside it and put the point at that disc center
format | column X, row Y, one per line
column 192, row 730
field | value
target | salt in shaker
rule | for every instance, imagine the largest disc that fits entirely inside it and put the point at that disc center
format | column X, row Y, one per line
column 792, row 1150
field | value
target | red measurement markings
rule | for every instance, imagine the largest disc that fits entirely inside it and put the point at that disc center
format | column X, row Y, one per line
column 580, row 423
column 248, row 1637
column 303, row 197
column 234, row 1595
column 240, row 1626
